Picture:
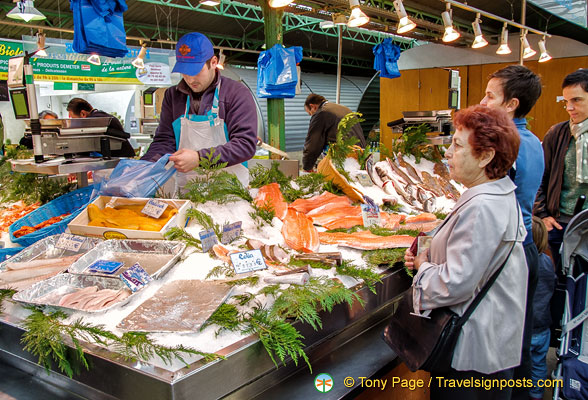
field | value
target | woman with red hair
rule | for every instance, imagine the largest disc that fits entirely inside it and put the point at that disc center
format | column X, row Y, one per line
column 472, row 244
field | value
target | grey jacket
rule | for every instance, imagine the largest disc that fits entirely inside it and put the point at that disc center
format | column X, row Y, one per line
column 464, row 253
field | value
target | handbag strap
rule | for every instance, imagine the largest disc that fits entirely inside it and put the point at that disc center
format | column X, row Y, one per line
column 492, row 279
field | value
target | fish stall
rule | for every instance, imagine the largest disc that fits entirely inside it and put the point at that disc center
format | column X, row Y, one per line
column 230, row 292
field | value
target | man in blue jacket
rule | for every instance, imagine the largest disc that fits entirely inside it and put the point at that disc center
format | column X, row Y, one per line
column 516, row 89
column 205, row 112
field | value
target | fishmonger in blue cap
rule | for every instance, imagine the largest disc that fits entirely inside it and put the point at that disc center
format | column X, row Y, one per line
column 204, row 112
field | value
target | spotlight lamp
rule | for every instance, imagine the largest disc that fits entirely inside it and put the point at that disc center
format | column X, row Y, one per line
column 479, row 40
column 339, row 19
column 503, row 48
column 279, row 3
column 139, row 62
column 221, row 60
column 25, row 11
column 405, row 24
column 527, row 50
column 94, row 59
column 544, row 54
column 327, row 24
column 41, row 44
column 357, row 17
column 450, row 34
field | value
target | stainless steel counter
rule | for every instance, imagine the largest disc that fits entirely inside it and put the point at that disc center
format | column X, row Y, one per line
column 348, row 345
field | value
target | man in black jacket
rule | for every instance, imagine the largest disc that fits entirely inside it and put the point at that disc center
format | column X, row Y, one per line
column 80, row 108
column 322, row 130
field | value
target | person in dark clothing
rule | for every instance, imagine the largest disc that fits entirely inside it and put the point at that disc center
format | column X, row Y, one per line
column 27, row 140
column 565, row 147
column 541, row 309
column 322, row 130
column 80, row 108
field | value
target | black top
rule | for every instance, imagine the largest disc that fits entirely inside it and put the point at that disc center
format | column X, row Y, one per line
column 322, row 130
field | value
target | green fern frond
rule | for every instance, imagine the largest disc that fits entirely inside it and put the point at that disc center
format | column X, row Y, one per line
column 183, row 236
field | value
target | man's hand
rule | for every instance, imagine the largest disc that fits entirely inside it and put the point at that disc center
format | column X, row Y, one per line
column 185, row 160
column 551, row 223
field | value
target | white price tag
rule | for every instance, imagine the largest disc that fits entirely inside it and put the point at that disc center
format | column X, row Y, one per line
column 247, row 261
column 231, row 232
column 154, row 208
column 70, row 242
column 370, row 214
column 208, row 239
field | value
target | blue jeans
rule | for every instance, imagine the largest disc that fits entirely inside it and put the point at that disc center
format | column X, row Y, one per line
column 539, row 347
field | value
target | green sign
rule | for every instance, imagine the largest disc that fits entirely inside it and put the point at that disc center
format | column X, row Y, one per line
column 62, row 86
column 87, row 86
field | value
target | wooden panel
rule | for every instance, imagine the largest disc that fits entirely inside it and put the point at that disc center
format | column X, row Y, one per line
column 552, row 73
column 397, row 392
column 434, row 89
column 397, row 95
column 476, row 85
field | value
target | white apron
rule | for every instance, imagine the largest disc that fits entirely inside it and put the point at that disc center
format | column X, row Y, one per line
column 197, row 132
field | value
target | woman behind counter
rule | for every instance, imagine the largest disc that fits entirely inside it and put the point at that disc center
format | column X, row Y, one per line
column 469, row 247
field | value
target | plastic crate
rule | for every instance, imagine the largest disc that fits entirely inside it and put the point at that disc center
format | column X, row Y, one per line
column 9, row 252
column 72, row 202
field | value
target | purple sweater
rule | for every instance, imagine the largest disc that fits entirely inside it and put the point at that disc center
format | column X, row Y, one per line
column 236, row 108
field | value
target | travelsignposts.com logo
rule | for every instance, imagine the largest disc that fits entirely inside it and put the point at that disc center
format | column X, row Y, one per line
column 323, row 383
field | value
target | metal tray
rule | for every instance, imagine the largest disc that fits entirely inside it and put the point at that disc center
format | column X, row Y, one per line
column 40, row 293
column 45, row 249
column 155, row 256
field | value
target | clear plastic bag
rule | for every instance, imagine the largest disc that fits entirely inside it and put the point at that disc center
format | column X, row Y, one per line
column 135, row 178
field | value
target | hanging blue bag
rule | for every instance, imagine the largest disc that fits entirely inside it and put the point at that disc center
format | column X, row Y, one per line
column 135, row 178
column 99, row 27
column 386, row 55
column 277, row 75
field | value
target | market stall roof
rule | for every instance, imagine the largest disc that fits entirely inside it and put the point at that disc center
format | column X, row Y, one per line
column 239, row 25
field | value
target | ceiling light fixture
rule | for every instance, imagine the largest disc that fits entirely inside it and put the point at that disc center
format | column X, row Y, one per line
column 527, row 50
column 279, row 3
column 358, row 17
column 503, row 48
column 479, row 40
column 450, row 34
column 26, row 11
column 405, row 24
column 41, row 44
column 139, row 62
column 211, row 3
column 339, row 19
column 94, row 59
column 221, row 60
column 544, row 54
column 327, row 24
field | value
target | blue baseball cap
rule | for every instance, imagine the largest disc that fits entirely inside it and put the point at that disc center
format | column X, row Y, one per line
column 192, row 52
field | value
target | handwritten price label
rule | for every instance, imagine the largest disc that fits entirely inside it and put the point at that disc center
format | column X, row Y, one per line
column 370, row 214
column 247, row 261
column 154, row 208
column 70, row 242
column 231, row 232
column 208, row 239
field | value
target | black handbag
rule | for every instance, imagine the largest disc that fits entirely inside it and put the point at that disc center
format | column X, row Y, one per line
column 428, row 343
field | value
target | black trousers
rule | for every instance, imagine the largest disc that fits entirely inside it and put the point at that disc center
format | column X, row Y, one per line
column 524, row 369
column 445, row 386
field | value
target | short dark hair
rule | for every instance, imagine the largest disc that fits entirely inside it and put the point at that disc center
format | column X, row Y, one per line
column 519, row 82
column 76, row 105
column 44, row 113
column 491, row 128
column 579, row 77
column 314, row 98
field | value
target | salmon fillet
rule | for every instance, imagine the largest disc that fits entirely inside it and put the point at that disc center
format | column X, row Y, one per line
column 333, row 214
column 326, row 198
column 365, row 240
column 271, row 193
column 299, row 232
column 424, row 217
column 422, row 226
